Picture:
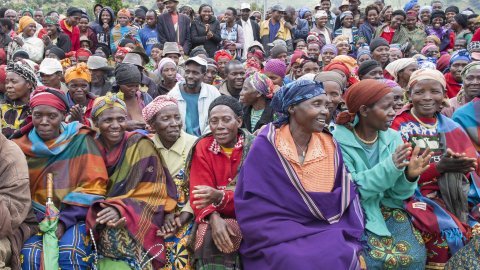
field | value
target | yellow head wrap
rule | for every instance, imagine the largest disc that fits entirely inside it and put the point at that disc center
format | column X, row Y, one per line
column 109, row 101
column 80, row 71
column 24, row 22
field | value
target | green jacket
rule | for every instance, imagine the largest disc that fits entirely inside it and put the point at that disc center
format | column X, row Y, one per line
column 383, row 184
column 400, row 37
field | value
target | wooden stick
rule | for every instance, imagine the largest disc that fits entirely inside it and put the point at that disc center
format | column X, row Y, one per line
column 50, row 185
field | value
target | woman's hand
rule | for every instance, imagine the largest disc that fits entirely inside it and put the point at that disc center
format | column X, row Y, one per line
column 110, row 216
column 76, row 113
column 221, row 233
column 400, row 156
column 46, row 40
column 173, row 223
column 18, row 40
column 204, row 196
column 418, row 163
column 456, row 162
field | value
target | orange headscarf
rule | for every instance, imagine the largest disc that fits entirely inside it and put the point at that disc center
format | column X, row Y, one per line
column 80, row 71
column 24, row 22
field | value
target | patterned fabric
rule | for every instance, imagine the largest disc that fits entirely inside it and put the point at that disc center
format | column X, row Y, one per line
column 229, row 36
column 403, row 250
column 139, row 189
column 156, row 105
column 468, row 116
column 13, row 116
column 75, row 251
column 178, row 257
column 466, row 258
column 105, row 102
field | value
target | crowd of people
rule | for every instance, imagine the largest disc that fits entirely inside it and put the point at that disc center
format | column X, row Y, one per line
column 312, row 138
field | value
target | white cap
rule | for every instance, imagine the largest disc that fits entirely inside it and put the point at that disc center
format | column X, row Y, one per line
column 50, row 66
column 245, row 6
column 320, row 14
column 197, row 60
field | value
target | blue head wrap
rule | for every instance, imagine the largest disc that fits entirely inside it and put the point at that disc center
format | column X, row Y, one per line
column 408, row 6
column 302, row 11
column 460, row 55
column 294, row 93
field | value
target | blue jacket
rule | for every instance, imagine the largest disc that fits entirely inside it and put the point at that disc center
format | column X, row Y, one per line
column 367, row 31
column 382, row 184
column 301, row 29
column 148, row 37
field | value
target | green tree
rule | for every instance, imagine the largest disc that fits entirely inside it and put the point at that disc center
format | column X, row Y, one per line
column 114, row 4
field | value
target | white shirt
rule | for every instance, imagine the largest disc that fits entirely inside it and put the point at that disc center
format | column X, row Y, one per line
column 248, row 34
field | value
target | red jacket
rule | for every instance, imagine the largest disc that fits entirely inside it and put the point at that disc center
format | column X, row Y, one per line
column 453, row 87
column 212, row 167
column 74, row 35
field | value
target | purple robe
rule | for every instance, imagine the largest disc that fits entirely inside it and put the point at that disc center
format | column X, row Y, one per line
column 286, row 227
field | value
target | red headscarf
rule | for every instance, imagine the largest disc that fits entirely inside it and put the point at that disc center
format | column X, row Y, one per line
column 222, row 54
column 342, row 67
column 366, row 92
column 3, row 73
column 257, row 54
column 82, row 52
column 50, row 97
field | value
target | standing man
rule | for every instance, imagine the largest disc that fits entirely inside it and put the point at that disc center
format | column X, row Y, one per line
column 69, row 26
column 326, row 5
column 357, row 14
column 148, row 34
column 174, row 27
column 298, row 27
column 194, row 97
column 160, row 6
column 274, row 28
column 251, row 29
column 437, row 5
column 233, row 85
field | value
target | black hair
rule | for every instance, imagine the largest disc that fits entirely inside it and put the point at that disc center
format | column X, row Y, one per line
column 51, row 12
column 158, row 46
column 230, row 64
column 372, row 7
column 228, row 101
column 399, row 12
column 204, row 5
column 154, row 12
column 472, row 16
column 7, row 23
column 234, row 11
column 2, row 12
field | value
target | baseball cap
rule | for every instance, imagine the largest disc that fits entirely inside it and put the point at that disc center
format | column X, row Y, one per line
column 50, row 66
column 197, row 60
column 245, row 6
column 278, row 8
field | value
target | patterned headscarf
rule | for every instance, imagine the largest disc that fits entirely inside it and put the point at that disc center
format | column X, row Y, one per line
column 80, row 71
column 262, row 84
column 123, row 12
column 156, row 105
column 51, row 20
column 258, row 54
column 427, row 47
column 106, row 102
column 24, row 22
column 474, row 45
column 472, row 66
column 294, row 93
column 460, row 55
column 331, row 47
column 350, row 62
column 122, row 51
column 24, row 70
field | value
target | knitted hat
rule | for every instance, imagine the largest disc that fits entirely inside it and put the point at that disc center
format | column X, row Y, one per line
column 366, row 67
column 127, row 74
column 452, row 9
column 277, row 50
column 378, row 42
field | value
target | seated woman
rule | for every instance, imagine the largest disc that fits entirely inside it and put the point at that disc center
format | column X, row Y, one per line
column 294, row 193
column 163, row 116
column 256, row 95
column 334, row 86
column 128, row 78
column 139, row 192
column 439, row 207
column 80, row 99
column 328, row 52
column 20, row 81
column 80, row 177
column 212, row 168
column 376, row 157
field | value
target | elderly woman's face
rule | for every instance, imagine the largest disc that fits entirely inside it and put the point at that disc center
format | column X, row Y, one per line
column 112, row 125
column 395, row 55
column 427, row 96
column 277, row 80
column 456, row 69
column 169, row 72
column 16, row 87
column 404, row 74
column 334, row 92
column 210, row 75
column 311, row 114
column 363, row 58
column 471, row 83
column 29, row 31
column 381, row 114
column 327, row 56
column 310, row 68
column 47, row 121
column 78, row 89
column 397, row 98
column 248, row 95
column 167, row 123
column 224, row 124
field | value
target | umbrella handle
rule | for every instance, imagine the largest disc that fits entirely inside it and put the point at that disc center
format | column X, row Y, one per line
column 49, row 187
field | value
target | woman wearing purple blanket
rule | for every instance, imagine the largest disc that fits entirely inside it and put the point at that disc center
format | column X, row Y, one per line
column 295, row 202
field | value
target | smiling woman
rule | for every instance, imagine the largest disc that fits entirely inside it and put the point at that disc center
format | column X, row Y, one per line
column 439, row 207
column 51, row 146
column 139, row 193
column 309, row 174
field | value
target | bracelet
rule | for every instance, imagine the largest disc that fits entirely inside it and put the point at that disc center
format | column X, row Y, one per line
column 221, row 201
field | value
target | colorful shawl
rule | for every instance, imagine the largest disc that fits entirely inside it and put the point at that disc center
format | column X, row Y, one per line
column 140, row 189
column 80, row 177
column 283, row 224
column 429, row 214
column 468, row 117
